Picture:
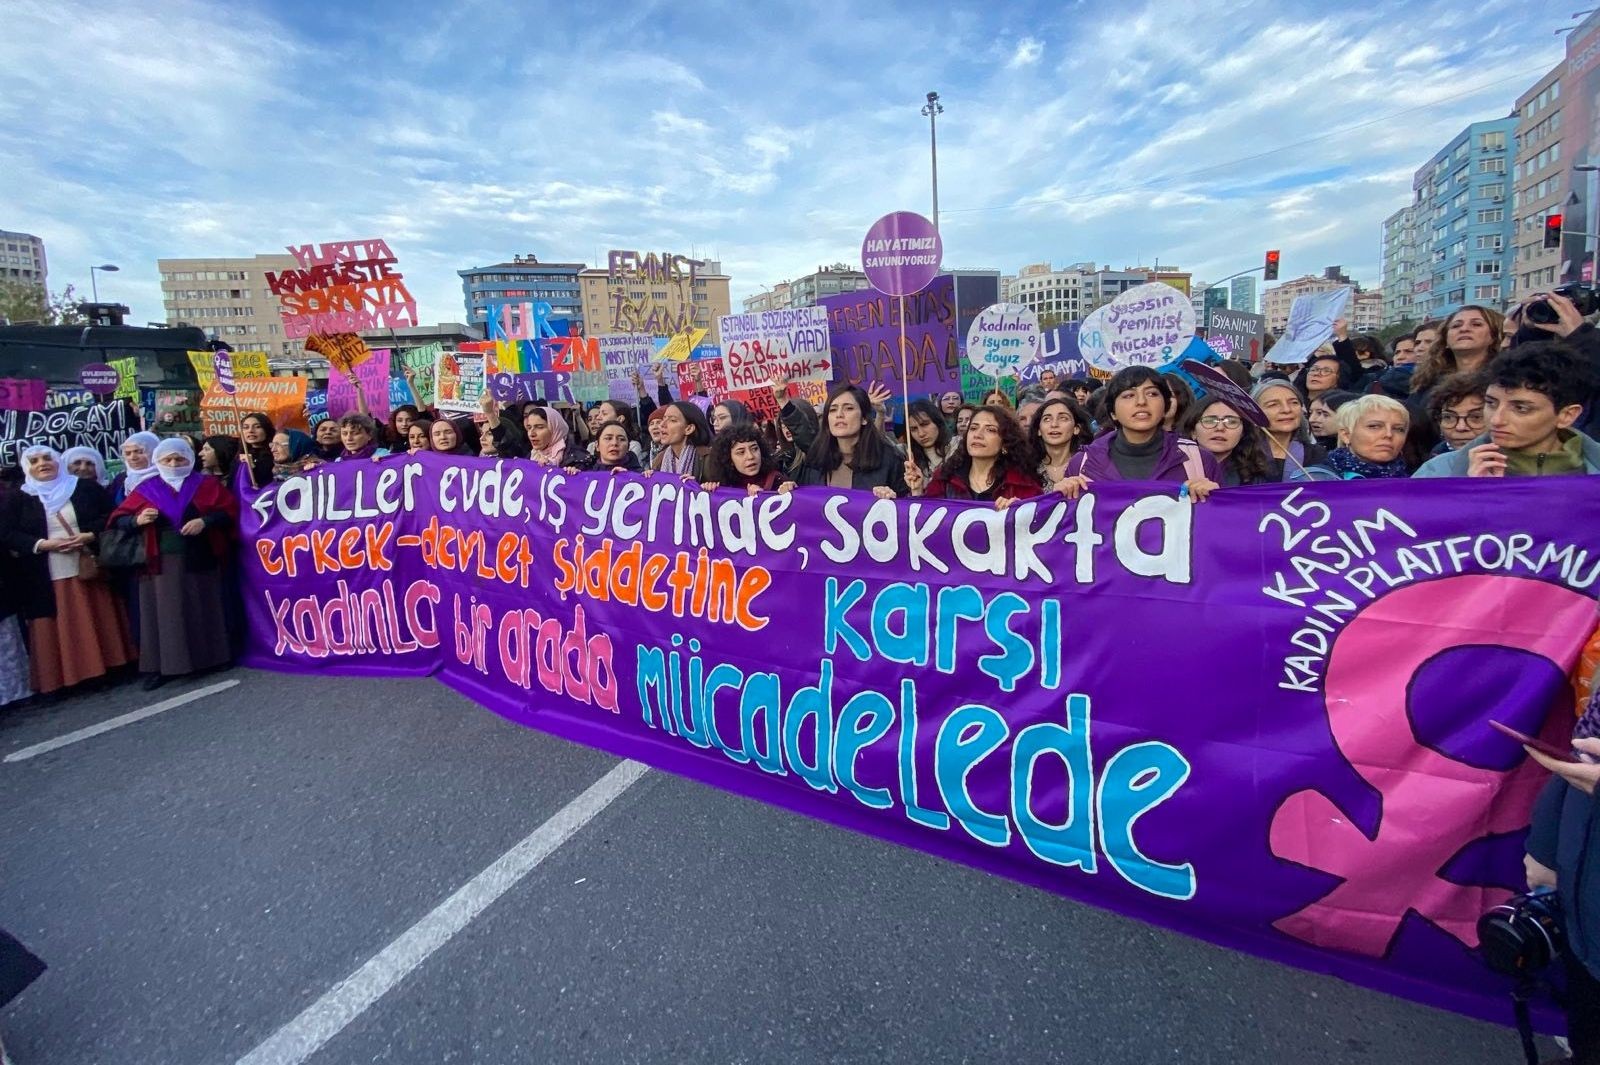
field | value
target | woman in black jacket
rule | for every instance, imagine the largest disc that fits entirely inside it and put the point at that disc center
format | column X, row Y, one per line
column 75, row 630
column 850, row 451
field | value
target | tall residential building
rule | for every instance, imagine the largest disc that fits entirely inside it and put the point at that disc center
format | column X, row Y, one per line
column 22, row 259
column 230, row 300
column 523, row 279
column 1278, row 299
column 1539, row 181
column 1242, row 294
column 1405, row 279
column 652, row 293
column 1366, row 311
column 1462, row 201
column 1048, row 291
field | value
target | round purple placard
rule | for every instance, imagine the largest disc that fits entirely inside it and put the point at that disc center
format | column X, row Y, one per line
column 99, row 378
column 902, row 253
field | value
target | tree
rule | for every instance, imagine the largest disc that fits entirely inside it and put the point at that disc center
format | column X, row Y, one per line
column 23, row 301
column 1389, row 332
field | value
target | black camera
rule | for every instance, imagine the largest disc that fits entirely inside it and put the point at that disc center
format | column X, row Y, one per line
column 1584, row 296
column 1522, row 935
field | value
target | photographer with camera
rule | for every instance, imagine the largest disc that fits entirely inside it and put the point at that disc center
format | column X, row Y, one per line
column 1560, row 315
column 1563, row 854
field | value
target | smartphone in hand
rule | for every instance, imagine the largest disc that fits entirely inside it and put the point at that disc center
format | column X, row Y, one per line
column 1537, row 744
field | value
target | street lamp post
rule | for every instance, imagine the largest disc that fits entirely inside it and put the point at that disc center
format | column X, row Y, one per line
column 933, row 109
column 94, row 289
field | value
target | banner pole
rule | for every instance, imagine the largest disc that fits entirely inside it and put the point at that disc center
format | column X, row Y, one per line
column 244, row 450
column 905, row 376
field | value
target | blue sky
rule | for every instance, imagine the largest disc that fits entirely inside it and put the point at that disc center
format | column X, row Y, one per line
column 767, row 136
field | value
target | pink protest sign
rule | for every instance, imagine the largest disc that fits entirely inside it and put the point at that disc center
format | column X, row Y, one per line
column 374, row 377
column 18, row 393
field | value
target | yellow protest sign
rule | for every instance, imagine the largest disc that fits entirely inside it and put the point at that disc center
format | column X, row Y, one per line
column 679, row 347
column 245, row 364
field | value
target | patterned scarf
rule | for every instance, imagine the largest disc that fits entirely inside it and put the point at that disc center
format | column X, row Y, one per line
column 1348, row 465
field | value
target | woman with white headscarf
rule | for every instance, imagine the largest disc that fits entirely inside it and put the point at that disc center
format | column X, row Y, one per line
column 75, row 631
column 138, row 462
column 86, row 462
column 188, row 521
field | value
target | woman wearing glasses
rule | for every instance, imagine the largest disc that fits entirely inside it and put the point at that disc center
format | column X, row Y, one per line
column 1238, row 444
column 1456, row 403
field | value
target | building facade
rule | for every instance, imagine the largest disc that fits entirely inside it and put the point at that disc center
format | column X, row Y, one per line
column 654, row 294
column 1462, row 200
column 1539, row 187
column 22, row 259
column 1402, row 268
column 1100, row 287
column 229, row 300
column 523, row 280
column 1366, row 311
column 1054, row 295
column 1242, row 294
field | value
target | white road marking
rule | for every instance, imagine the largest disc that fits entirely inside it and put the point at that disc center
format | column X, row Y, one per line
column 347, row 1000
column 117, row 722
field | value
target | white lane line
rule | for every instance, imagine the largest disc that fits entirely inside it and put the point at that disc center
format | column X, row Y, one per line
column 117, row 722
column 347, row 1000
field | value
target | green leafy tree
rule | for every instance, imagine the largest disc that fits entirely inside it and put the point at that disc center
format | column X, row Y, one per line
column 22, row 301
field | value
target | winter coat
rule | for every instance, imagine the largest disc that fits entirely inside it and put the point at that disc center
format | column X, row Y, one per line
column 1565, row 836
column 1455, row 463
column 1014, row 484
column 1180, row 459
column 23, row 524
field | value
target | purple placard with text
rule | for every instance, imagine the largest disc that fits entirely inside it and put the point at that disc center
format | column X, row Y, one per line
column 1241, row 719
column 901, row 253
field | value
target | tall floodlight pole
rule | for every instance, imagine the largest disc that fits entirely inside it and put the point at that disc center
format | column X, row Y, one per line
column 933, row 109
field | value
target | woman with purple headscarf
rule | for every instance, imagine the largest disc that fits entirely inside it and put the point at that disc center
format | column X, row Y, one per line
column 188, row 521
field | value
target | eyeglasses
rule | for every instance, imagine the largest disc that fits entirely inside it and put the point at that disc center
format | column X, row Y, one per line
column 1215, row 421
column 1472, row 419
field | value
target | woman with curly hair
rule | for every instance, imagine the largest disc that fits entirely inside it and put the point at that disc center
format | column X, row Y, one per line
column 1238, row 444
column 1467, row 340
column 745, row 458
column 996, row 464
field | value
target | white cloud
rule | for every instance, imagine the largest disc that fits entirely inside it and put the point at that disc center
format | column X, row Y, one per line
column 1027, row 53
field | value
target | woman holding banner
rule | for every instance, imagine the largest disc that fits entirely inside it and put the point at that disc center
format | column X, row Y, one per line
column 1372, row 435
column 745, row 458
column 1139, row 449
column 613, row 450
column 358, row 434
column 995, row 465
column 290, row 449
column 187, row 519
column 850, row 452
column 75, row 630
column 445, row 437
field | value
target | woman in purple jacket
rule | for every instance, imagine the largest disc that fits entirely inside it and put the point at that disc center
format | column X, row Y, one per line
column 1139, row 449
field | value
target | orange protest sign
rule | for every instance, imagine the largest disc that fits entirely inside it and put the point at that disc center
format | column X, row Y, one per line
column 344, row 351
column 283, row 399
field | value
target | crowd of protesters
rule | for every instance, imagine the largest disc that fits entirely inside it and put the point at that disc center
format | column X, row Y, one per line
column 103, row 579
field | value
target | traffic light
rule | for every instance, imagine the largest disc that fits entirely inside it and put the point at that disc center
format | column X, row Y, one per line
column 1272, row 265
column 1552, row 231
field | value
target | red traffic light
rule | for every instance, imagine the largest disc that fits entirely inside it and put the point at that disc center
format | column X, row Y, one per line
column 1271, row 272
column 1552, row 231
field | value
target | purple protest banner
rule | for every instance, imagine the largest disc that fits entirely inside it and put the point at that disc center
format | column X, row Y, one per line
column 864, row 335
column 1244, row 719
column 901, row 253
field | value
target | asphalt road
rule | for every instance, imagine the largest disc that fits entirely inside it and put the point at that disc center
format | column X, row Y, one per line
column 202, row 880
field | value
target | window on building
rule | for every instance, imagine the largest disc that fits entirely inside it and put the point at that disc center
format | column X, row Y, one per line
column 1492, row 142
column 1488, row 242
column 1486, row 266
column 1491, row 166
